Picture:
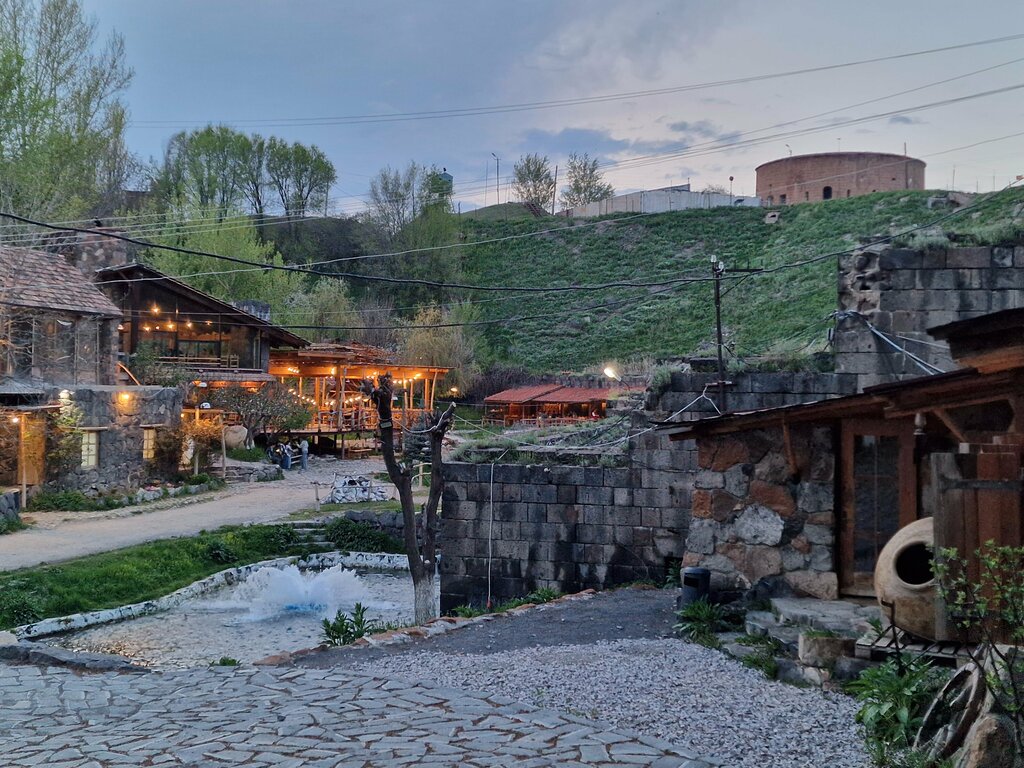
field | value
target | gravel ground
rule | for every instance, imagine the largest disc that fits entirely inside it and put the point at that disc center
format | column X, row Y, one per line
column 666, row 688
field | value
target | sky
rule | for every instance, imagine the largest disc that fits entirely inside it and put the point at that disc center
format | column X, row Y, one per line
column 302, row 70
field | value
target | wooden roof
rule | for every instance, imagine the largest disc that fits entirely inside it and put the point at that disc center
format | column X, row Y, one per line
column 548, row 393
column 963, row 387
column 135, row 270
column 41, row 280
column 991, row 342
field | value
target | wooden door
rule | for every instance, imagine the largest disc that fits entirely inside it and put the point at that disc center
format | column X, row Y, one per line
column 878, row 496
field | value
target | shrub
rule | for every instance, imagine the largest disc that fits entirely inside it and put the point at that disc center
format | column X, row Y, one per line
column 199, row 479
column 219, row 551
column 17, row 608
column 168, row 445
column 10, row 526
column 360, row 537
column 246, row 454
column 225, row 661
column 344, row 629
column 895, row 696
column 62, row 501
column 700, row 621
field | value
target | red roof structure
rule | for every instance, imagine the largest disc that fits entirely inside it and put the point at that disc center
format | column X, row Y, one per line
column 522, row 394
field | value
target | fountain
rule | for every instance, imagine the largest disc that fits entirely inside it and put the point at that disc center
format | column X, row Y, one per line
column 272, row 591
column 277, row 608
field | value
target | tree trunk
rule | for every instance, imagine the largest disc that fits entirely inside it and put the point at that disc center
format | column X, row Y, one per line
column 422, row 558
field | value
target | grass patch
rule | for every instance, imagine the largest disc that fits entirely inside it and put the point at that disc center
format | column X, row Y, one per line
column 537, row 597
column 357, row 537
column 392, row 505
column 146, row 571
column 11, row 526
column 76, row 501
column 246, row 454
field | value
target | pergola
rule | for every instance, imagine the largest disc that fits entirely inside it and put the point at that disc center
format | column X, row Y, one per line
column 328, row 377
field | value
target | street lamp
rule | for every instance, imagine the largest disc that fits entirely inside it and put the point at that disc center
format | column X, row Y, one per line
column 497, row 177
column 611, row 373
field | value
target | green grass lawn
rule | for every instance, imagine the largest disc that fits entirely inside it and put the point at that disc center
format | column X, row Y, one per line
column 138, row 573
column 778, row 313
column 392, row 505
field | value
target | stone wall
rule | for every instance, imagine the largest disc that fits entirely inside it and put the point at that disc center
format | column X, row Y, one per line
column 903, row 292
column 10, row 505
column 804, row 178
column 563, row 527
column 119, row 415
column 760, row 523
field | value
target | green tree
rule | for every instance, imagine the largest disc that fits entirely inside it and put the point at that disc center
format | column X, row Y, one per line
column 446, row 337
column 235, row 237
column 586, row 184
column 271, row 409
column 203, row 170
column 302, row 176
column 532, row 180
column 62, row 150
column 392, row 203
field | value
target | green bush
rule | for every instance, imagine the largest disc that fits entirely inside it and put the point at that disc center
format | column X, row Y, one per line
column 219, row 551
column 246, row 454
column 62, row 501
column 17, row 608
column 344, row 629
column 894, row 698
column 225, row 661
column 201, row 479
column 360, row 537
column 10, row 526
column 700, row 621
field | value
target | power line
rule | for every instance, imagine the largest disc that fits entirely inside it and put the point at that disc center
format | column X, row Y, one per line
column 556, row 103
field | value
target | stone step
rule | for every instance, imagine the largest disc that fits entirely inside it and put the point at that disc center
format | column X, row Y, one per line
column 843, row 617
column 765, row 624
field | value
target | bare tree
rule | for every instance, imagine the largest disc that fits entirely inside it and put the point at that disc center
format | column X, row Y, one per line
column 532, row 180
column 393, row 201
column 586, row 184
column 422, row 555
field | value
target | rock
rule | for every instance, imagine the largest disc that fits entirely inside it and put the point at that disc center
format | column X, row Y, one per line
column 701, row 538
column 849, row 668
column 759, row 525
column 235, row 436
column 817, row 651
column 775, row 497
column 989, row 744
column 824, row 586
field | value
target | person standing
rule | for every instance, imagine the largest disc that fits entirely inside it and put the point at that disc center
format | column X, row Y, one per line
column 304, row 454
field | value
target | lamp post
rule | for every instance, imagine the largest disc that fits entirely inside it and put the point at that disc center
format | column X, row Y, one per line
column 497, row 177
column 20, row 421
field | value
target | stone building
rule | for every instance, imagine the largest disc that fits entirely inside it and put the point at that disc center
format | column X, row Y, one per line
column 830, row 175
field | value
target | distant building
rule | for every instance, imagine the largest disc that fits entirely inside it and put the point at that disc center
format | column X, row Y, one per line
column 830, row 175
column 677, row 198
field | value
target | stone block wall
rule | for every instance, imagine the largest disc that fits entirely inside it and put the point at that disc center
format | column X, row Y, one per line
column 120, row 421
column 564, row 527
column 10, row 505
column 903, row 292
column 759, row 522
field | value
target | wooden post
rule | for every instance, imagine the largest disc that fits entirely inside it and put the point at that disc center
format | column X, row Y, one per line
column 223, row 452
column 341, row 408
column 433, row 391
column 21, row 462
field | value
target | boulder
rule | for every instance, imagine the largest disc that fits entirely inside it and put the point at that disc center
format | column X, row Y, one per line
column 235, row 436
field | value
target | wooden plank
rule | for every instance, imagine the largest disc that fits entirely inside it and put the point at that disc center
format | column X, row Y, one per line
column 990, row 501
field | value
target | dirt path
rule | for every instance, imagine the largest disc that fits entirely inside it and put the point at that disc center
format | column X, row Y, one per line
column 65, row 536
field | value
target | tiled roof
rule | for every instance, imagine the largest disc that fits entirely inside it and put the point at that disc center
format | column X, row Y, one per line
column 30, row 278
column 521, row 394
column 573, row 395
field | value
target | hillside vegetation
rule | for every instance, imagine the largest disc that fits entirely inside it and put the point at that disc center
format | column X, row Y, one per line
column 781, row 313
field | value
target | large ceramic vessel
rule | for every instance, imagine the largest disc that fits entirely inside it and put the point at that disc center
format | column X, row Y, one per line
column 904, row 581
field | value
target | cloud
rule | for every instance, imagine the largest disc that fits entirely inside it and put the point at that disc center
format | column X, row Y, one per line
column 597, row 143
column 904, row 120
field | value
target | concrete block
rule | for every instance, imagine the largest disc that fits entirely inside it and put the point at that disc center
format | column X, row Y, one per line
column 616, row 477
column 1002, row 257
column 934, row 279
column 595, row 495
column 594, row 534
column 567, row 475
column 622, row 497
column 969, row 258
column 900, row 259
column 566, row 494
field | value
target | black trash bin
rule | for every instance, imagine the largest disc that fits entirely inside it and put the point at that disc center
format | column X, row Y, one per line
column 696, row 585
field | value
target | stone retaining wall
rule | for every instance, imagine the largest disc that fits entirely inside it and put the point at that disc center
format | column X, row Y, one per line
column 759, row 522
column 903, row 292
column 567, row 528
column 10, row 505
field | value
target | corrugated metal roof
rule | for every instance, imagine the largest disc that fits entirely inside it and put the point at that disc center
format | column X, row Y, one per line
column 521, row 394
column 10, row 386
column 574, row 395
column 36, row 279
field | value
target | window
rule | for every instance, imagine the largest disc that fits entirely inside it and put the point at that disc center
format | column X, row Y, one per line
column 847, row 193
column 148, row 443
column 90, row 449
column 807, row 196
column 782, row 199
column 771, row 200
column 826, row 193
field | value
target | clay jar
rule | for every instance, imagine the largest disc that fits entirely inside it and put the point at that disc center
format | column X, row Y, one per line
column 904, row 578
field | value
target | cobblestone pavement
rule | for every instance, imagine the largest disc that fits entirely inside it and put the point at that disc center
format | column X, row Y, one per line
column 224, row 716
column 61, row 536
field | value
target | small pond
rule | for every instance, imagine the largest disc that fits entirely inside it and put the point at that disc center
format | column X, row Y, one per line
column 274, row 610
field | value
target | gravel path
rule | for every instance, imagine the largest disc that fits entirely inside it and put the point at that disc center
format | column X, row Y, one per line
column 64, row 536
column 666, row 689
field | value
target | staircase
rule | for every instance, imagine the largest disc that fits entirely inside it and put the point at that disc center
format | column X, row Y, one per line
column 315, row 532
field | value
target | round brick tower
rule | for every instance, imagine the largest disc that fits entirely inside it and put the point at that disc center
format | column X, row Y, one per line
column 829, row 175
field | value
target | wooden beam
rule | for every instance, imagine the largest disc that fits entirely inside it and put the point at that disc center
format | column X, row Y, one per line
column 787, row 442
column 945, row 418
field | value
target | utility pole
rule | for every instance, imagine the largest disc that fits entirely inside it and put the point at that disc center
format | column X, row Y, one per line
column 554, row 192
column 497, row 178
column 718, row 272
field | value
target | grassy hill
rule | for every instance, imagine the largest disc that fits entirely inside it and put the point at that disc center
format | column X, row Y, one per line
column 780, row 313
